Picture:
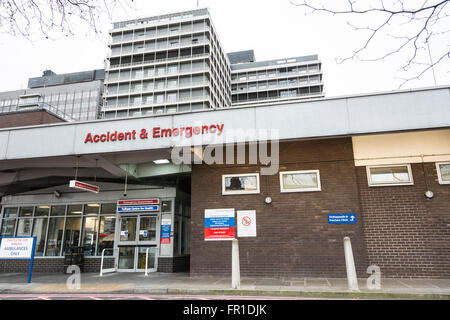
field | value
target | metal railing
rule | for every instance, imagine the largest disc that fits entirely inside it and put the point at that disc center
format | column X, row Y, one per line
column 101, row 263
column 146, row 261
column 168, row 46
column 158, row 76
column 123, row 65
column 154, row 36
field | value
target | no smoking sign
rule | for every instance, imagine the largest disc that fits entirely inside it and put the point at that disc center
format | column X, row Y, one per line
column 246, row 223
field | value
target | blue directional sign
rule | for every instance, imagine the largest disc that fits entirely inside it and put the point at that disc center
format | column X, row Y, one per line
column 341, row 218
column 138, row 208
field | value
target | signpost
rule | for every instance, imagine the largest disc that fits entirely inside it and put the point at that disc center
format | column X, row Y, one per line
column 219, row 224
column 341, row 218
column 246, row 223
column 84, row 186
column 19, row 248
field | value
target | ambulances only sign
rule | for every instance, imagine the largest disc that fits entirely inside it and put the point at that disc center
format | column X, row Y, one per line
column 219, row 224
column 16, row 248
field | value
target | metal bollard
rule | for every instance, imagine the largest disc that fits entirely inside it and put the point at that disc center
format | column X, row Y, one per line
column 235, row 268
column 352, row 280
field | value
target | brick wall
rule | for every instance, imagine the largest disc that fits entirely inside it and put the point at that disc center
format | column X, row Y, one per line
column 27, row 119
column 176, row 264
column 49, row 265
column 408, row 235
column 294, row 237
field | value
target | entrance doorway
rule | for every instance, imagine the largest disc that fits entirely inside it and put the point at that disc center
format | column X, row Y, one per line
column 138, row 239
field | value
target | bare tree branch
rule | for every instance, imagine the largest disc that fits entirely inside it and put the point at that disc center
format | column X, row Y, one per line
column 412, row 24
column 50, row 18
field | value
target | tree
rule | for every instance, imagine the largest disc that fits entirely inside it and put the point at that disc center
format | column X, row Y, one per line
column 48, row 18
column 394, row 27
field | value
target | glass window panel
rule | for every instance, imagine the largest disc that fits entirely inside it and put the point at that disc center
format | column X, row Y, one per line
column 8, row 227
column 42, row 211
column 108, row 208
column 58, row 211
column 389, row 175
column 39, row 231
column 92, row 208
column 300, row 180
column 76, row 209
column 25, row 211
column 10, row 212
column 126, row 257
column 147, row 228
column 128, row 229
column 444, row 170
column 55, row 232
column 166, row 206
column 24, row 227
column 151, row 258
column 90, row 235
column 106, row 234
column 72, row 233
column 247, row 183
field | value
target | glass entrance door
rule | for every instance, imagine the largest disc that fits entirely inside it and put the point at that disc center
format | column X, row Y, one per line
column 138, row 239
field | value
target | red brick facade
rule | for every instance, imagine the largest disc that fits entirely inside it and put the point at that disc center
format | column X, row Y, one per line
column 408, row 235
column 398, row 229
column 32, row 118
column 294, row 237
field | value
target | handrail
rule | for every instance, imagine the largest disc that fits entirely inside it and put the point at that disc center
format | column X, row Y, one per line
column 101, row 263
column 146, row 261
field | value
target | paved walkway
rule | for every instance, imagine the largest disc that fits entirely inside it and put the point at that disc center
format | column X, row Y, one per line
column 183, row 283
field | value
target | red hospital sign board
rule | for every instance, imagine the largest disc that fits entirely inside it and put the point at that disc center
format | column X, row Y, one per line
column 137, row 202
column 84, row 186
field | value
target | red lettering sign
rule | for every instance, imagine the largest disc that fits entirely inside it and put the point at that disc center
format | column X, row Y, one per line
column 84, row 186
column 157, row 132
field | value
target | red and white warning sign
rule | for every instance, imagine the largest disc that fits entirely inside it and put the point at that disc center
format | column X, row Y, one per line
column 246, row 223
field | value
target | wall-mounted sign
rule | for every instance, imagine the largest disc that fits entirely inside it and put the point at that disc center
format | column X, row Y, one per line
column 219, row 224
column 165, row 231
column 138, row 208
column 341, row 218
column 155, row 132
column 246, row 223
column 84, row 186
column 138, row 202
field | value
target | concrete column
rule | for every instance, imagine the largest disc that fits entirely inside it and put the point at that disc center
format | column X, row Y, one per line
column 352, row 280
column 235, row 267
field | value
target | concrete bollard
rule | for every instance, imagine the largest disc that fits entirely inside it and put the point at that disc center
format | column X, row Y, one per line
column 352, row 280
column 235, row 267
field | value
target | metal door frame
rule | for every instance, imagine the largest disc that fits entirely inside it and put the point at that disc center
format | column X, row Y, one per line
column 136, row 244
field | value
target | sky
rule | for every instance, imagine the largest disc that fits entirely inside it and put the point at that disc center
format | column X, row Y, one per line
column 274, row 29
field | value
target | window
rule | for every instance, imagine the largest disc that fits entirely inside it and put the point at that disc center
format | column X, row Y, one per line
column 106, row 234
column 443, row 170
column 300, row 181
column 240, row 184
column 389, row 175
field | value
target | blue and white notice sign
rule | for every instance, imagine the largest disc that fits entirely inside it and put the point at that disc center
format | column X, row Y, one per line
column 19, row 248
column 341, row 218
column 138, row 208
column 16, row 248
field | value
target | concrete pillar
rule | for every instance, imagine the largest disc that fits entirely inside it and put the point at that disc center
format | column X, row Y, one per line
column 352, row 279
column 235, row 267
